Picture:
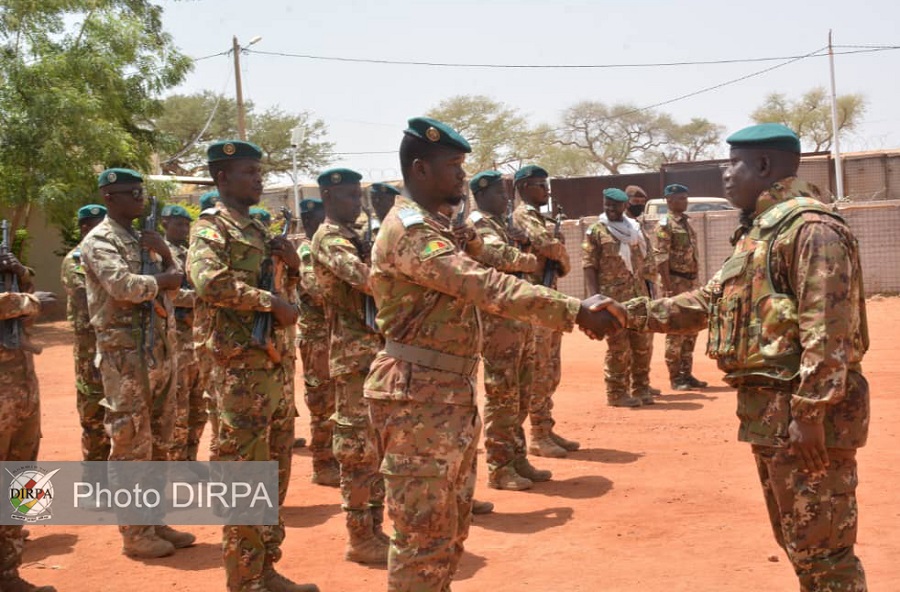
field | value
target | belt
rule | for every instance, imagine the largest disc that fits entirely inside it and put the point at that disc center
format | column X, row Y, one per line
column 687, row 276
column 430, row 358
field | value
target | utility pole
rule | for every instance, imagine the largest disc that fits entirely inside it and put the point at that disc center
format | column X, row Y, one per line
column 835, row 131
column 296, row 141
column 239, row 91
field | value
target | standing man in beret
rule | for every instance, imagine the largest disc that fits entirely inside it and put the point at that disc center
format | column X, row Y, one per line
column 255, row 412
column 341, row 264
column 787, row 324
column 312, row 340
column 615, row 262
column 382, row 197
column 138, row 385
column 676, row 256
column 421, row 387
column 191, row 413
column 88, row 382
column 534, row 190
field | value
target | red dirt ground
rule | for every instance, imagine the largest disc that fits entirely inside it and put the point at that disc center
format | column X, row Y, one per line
column 661, row 498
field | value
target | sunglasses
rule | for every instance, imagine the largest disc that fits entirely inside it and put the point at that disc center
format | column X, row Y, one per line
column 135, row 193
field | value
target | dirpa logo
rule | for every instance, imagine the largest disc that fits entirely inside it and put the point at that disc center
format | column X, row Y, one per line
column 31, row 494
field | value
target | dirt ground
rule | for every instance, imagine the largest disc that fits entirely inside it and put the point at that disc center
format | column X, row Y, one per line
column 661, row 498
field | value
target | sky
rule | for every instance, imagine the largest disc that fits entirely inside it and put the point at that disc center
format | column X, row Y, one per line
column 365, row 105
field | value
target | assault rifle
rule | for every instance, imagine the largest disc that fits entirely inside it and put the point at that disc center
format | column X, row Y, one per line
column 370, row 310
column 153, row 309
column 271, row 278
column 10, row 329
column 551, row 267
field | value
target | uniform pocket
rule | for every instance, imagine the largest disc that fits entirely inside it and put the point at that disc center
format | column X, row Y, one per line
column 402, row 465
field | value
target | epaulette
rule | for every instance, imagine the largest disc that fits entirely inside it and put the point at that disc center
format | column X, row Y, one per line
column 531, row 208
column 209, row 211
column 410, row 217
column 663, row 220
column 476, row 216
column 776, row 213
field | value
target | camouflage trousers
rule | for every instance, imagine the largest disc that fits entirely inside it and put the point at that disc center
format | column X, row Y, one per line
column 680, row 348
column 508, row 351
column 20, row 437
column 814, row 517
column 256, row 423
column 207, row 385
column 429, row 473
column 355, row 446
column 89, row 394
column 627, row 367
column 319, row 397
column 190, row 407
column 547, row 374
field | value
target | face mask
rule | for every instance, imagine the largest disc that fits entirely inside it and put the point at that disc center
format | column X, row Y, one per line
column 636, row 210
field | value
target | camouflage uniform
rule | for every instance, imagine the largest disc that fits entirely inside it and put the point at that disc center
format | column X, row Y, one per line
column 547, row 342
column 421, row 388
column 20, row 416
column 88, row 382
column 786, row 366
column 676, row 245
column 255, row 408
column 206, row 367
column 313, row 344
column 627, row 362
column 191, row 414
column 343, row 278
column 508, row 351
column 139, row 398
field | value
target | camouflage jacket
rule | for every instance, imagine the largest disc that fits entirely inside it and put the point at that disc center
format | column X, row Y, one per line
column 183, row 300
column 311, row 323
column 225, row 255
column 428, row 295
column 72, row 276
column 497, row 251
column 343, row 278
column 14, row 305
column 600, row 253
column 116, row 289
column 785, row 363
column 543, row 243
column 676, row 242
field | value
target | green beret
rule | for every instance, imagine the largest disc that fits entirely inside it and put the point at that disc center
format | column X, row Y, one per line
column 484, row 179
column 209, row 199
column 675, row 188
column 261, row 215
column 232, row 149
column 530, row 170
column 308, row 204
column 435, row 132
column 615, row 194
column 333, row 177
column 383, row 188
column 766, row 135
column 90, row 212
column 115, row 176
column 175, row 211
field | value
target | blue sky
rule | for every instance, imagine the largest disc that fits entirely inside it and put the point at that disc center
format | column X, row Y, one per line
column 366, row 105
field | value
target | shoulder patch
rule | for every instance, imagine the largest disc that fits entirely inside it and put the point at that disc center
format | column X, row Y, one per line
column 339, row 241
column 476, row 216
column 304, row 250
column 410, row 217
column 210, row 234
column 436, row 247
column 209, row 211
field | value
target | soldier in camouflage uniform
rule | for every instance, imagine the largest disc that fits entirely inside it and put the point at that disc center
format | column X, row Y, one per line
column 203, row 357
column 20, row 412
column 508, row 346
column 340, row 260
column 421, row 388
column 138, row 383
column 254, row 409
column 676, row 256
column 312, row 341
column 88, row 383
column 787, row 324
column 534, row 190
column 616, row 264
column 382, row 197
column 191, row 413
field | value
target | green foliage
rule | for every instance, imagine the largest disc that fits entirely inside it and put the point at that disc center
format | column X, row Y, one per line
column 20, row 245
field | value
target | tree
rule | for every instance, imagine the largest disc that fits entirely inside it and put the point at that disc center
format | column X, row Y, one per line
column 810, row 115
column 79, row 81
column 696, row 140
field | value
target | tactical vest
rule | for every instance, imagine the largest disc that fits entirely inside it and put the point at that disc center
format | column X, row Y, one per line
column 754, row 330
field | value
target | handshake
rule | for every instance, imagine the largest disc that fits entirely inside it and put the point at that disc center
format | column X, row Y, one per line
column 601, row 316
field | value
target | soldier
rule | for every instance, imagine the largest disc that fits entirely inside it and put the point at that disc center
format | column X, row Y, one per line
column 20, row 412
column 202, row 356
column 88, row 383
column 787, row 324
column 138, row 381
column 382, row 197
column 262, row 215
column 313, row 343
column 421, row 387
column 676, row 256
column 255, row 413
column 191, row 413
column 341, row 265
column 614, row 258
column 534, row 190
column 508, row 346
column 209, row 199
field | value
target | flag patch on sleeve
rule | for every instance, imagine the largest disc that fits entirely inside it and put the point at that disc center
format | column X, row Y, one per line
column 435, row 248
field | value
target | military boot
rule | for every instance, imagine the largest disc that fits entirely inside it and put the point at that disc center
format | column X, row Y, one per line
column 695, row 382
column 364, row 547
column 479, row 507
column 144, row 544
column 326, row 472
column 643, row 395
column 542, row 444
column 179, row 539
column 527, row 470
column 569, row 445
column 275, row 582
column 507, row 478
column 13, row 583
column 681, row 383
column 623, row 402
column 377, row 521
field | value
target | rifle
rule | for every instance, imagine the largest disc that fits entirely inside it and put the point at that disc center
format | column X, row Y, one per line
column 152, row 308
column 271, row 278
column 369, row 308
column 551, row 267
column 10, row 329
column 460, row 220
